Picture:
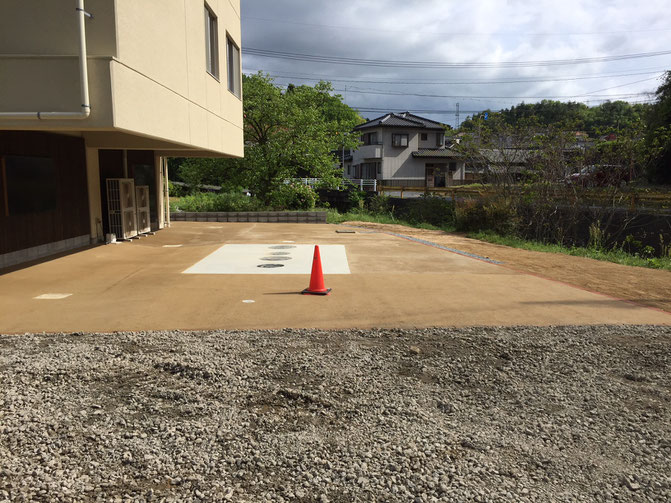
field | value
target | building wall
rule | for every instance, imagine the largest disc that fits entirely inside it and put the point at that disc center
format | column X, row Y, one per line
column 160, row 85
column 147, row 70
column 39, row 69
column 69, row 216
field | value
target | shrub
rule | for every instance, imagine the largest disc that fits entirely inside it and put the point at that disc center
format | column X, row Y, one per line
column 379, row 205
column 432, row 210
column 176, row 190
column 227, row 201
column 293, row 197
column 356, row 198
column 494, row 215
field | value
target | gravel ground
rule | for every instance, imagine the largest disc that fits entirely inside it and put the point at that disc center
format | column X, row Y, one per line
column 476, row 414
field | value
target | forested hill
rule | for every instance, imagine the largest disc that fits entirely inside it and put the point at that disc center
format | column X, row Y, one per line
column 606, row 118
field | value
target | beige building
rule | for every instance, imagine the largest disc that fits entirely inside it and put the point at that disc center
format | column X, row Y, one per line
column 104, row 89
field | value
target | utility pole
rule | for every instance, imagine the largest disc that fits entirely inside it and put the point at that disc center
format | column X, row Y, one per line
column 457, row 116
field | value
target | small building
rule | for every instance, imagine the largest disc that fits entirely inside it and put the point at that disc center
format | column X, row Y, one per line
column 405, row 150
column 99, row 89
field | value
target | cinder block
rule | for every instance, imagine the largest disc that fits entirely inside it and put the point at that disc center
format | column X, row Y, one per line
column 262, row 219
column 273, row 218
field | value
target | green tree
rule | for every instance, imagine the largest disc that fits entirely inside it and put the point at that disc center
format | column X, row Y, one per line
column 291, row 134
column 196, row 172
column 658, row 138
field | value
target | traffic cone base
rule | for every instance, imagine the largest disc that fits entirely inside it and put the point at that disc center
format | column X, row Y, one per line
column 317, row 286
column 307, row 291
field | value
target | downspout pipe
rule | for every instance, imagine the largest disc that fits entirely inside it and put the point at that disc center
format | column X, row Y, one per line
column 83, row 80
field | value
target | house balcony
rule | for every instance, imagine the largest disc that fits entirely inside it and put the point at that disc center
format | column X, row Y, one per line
column 370, row 152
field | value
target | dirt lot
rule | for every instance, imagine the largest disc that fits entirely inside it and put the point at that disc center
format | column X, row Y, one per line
column 649, row 287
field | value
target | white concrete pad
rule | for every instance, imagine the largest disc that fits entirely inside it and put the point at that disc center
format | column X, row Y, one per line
column 172, row 246
column 52, row 296
column 271, row 259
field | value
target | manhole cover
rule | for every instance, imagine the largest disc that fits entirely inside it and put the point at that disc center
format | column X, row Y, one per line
column 275, row 258
column 269, row 266
column 280, row 253
column 282, row 247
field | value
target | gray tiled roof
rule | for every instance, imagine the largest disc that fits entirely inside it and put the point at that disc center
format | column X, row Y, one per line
column 436, row 152
column 404, row 119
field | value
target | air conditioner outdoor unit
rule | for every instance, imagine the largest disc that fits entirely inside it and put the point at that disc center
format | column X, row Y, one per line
column 142, row 204
column 121, row 207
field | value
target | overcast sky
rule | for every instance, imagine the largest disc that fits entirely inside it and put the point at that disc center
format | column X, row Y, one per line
column 488, row 34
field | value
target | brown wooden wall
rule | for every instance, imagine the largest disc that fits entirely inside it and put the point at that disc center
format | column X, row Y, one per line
column 70, row 218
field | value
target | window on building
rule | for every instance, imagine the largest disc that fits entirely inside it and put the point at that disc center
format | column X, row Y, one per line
column 440, row 139
column 29, row 184
column 211, row 43
column 369, row 138
column 379, row 168
column 399, row 140
column 233, row 61
column 424, row 136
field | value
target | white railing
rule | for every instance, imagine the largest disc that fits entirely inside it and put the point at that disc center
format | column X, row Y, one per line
column 356, row 182
column 363, row 182
column 312, row 182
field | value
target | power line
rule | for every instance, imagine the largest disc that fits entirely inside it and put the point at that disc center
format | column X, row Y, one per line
column 456, row 82
column 339, row 60
column 454, row 96
column 454, row 33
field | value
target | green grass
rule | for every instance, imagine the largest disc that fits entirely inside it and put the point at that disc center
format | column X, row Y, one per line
column 616, row 256
column 333, row 217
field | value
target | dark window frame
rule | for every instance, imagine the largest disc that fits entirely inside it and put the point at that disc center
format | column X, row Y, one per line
column 211, row 42
column 233, row 67
column 397, row 140
column 424, row 136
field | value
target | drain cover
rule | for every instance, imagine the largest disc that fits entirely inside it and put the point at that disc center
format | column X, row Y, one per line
column 275, row 258
column 269, row 266
column 282, row 247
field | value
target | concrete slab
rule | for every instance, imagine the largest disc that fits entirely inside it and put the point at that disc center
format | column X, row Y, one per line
column 271, row 258
column 393, row 283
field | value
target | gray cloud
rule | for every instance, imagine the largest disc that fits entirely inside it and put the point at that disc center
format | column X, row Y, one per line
column 452, row 31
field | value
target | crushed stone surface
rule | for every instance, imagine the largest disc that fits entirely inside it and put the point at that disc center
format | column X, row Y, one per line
column 561, row 414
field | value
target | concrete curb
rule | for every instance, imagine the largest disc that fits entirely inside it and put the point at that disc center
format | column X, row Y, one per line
column 294, row 217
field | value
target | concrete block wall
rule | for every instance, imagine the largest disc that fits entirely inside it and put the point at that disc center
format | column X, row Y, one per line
column 304, row 217
column 42, row 251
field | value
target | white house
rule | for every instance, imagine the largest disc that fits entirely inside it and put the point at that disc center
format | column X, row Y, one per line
column 405, row 150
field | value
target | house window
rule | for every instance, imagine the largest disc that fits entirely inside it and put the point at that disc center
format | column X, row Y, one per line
column 29, row 184
column 379, row 168
column 424, row 136
column 369, row 138
column 211, row 43
column 233, row 59
column 399, row 140
column 440, row 139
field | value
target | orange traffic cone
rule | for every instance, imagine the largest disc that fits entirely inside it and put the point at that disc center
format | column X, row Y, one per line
column 317, row 286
